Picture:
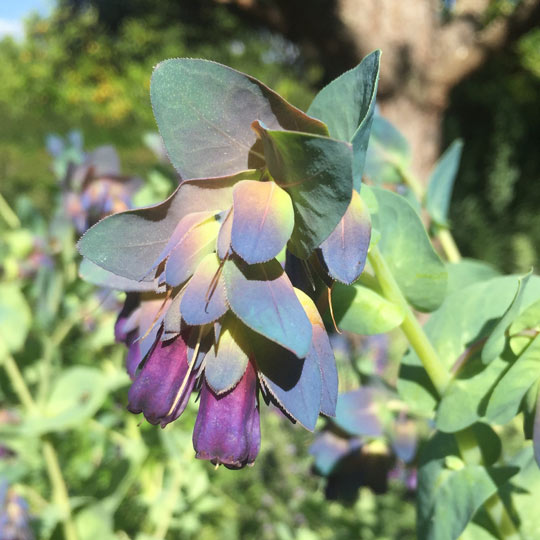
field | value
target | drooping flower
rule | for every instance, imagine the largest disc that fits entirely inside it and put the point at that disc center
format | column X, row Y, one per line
column 227, row 430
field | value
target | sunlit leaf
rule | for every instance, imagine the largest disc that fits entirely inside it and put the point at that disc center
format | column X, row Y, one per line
column 317, row 173
column 344, row 252
column 441, row 183
column 204, row 299
column 128, row 243
column 98, row 276
column 263, row 298
column 204, row 111
column 226, row 362
column 418, row 269
column 263, row 220
column 346, row 106
column 363, row 311
column 190, row 251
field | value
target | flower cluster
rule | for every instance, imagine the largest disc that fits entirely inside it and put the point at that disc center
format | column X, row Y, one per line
column 212, row 305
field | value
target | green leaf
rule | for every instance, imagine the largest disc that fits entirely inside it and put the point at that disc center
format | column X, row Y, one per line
column 363, row 311
column 15, row 317
column 346, row 106
column 495, row 343
column 98, row 276
column 204, row 111
column 457, row 330
column 76, row 396
column 419, row 271
column 505, row 401
column 468, row 271
column 441, row 183
column 226, row 362
column 128, row 244
column 262, row 297
column 388, row 153
column 317, row 174
column 448, row 497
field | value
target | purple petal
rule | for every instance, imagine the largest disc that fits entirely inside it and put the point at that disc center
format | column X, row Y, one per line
column 227, row 430
column 161, row 390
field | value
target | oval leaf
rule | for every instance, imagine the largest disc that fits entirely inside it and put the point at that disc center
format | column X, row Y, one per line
column 263, row 220
column 263, row 298
column 128, row 244
column 190, row 251
column 227, row 361
column 204, row 299
column 204, row 111
column 344, row 252
column 317, row 173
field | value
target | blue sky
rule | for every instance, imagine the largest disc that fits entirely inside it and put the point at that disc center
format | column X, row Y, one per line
column 12, row 13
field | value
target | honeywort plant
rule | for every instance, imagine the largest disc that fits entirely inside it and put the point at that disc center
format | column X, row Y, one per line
column 270, row 240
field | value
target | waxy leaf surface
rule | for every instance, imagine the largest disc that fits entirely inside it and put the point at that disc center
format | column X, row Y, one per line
column 363, row 311
column 263, row 298
column 190, row 251
column 441, row 184
column 223, row 246
column 506, row 398
column 388, row 152
column 226, row 363
column 204, row 111
column 322, row 352
column 419, row 271
column 128, row 243
column 495, row 343
column 449, row 496
column 457, row 331
column 317, row 174
column 204, row 299
column 346, row 106
column 263, row 220
column 293, row 382
column 344, row 252
column 98, row 276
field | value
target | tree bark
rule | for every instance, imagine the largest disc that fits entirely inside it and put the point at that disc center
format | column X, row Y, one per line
column 425, row 53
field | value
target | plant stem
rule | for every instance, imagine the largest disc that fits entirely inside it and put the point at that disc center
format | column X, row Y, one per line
column 449, row 245
column 466, row 439
column 60, row 492
column 58, row 484
column 411, row 327
column 10, row 217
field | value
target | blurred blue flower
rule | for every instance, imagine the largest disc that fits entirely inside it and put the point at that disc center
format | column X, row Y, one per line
column 14, row 518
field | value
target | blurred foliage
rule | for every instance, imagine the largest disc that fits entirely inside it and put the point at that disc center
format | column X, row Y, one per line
column 496, row 112
column 77, row 68
column 128, row 479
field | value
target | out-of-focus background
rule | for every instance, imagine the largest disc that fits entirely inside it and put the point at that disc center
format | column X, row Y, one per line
column 80, row 69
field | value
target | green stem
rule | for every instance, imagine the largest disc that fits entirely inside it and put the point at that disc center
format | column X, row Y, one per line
column 59, row 489
column 449, row 245
column 60, row 492
column 466, row 439
column 10, row 217
column 410, row 325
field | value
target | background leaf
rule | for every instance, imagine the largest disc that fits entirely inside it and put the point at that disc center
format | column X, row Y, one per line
column 15, row 317
column 363, row 311
column 346, row 106
column 419, row 271
column 388, row 152
column 441, row 183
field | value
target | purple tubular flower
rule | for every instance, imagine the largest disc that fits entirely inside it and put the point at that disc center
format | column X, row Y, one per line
column 161, row 390
column 227, row 430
